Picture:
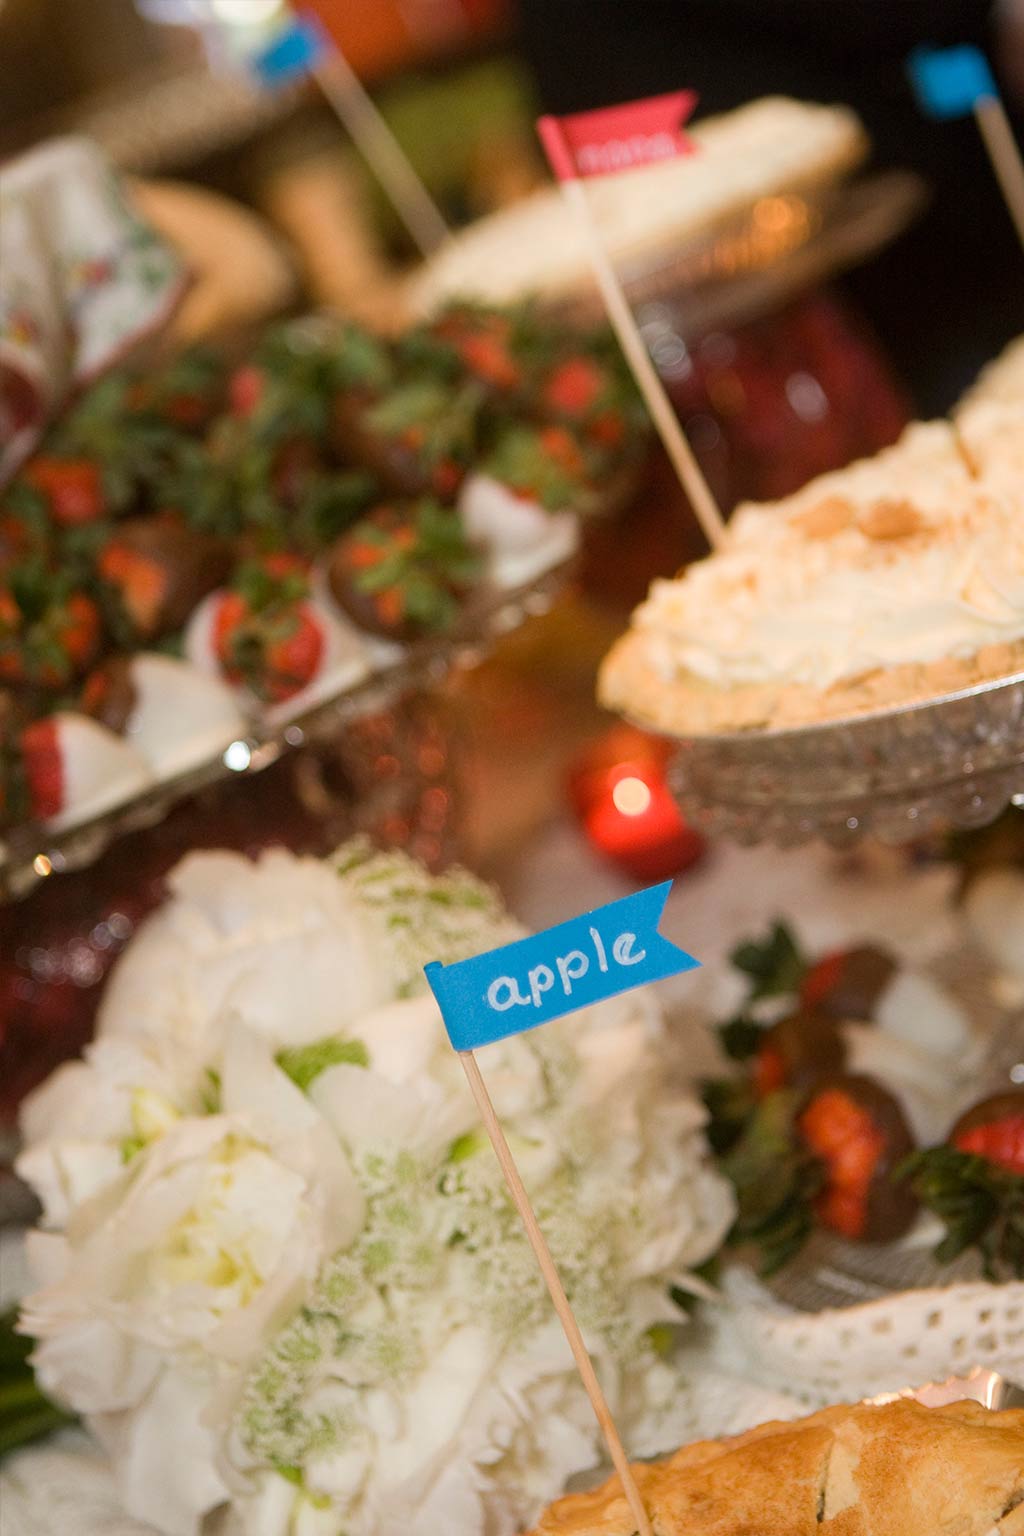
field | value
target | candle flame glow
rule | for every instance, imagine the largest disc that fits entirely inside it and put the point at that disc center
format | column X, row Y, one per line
column 631, row 796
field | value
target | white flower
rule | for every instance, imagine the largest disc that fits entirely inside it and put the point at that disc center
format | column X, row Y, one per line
column 284, row 1270
column 281, row 942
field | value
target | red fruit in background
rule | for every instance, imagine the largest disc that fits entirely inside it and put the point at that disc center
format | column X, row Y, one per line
column 265, row 633
column 79, row 630
column 44, row 770
column 246, row 389
column 1000, row 1142
column 141, row 582
column 994, row 1130
column 159, row 569
column 574, row 387
column 847, row 984
column 73, row 489
column 609, row 429
column 488, row 358
column 859, row 1133
column 798, row 1052
column 769, row 1071
column 52, row 649
column 561, row 446
column 846, row 1139
column 281, row 564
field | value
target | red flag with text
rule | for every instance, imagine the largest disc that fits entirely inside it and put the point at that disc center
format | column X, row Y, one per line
column 614, row 139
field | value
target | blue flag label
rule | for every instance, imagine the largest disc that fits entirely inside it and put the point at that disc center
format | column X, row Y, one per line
column 586, row 960
column 949, row 82
column 293, row 52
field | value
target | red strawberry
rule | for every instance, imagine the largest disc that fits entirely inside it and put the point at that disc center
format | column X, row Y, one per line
column 141, row 582
column 79, row 630
column 858, row 1131
column 246, row 389
column 487, row 357
column 848, row 983
column 54, row 645
column 994, row 1130
column 44, row 769
column 574, row 387
column 561, row 446
column 797, row 1052
column 160, row 569
column 73, row 489
column 265, row 633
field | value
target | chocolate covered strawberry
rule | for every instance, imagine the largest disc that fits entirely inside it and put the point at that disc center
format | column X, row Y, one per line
column 75, row 768
column 848, row 983
column 418, row 437
column 264, row 631
column 402, row 572
column 797, row 1052
column 49, row 631
column 586, row 394
column 543, row 463
column 155, row 570
column 492, row 346
column 174, row 715
column 859, row 1134
column 975, row 1184
column 72, row 488
column 994, row 1130
column 186, row 393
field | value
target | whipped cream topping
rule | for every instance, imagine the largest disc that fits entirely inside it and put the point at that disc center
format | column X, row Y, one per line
column 902, row 559
column 992, row 436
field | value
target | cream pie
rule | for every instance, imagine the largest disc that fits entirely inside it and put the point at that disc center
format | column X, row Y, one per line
column 894, row 581
column 763, row 150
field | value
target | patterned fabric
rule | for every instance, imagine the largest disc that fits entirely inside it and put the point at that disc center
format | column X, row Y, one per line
column 83, row 279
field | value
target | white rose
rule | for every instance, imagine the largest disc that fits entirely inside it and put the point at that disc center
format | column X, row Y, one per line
column 280, row 941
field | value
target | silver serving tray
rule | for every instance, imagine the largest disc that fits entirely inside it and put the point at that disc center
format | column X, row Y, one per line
column 28, row 853
column 897, row 774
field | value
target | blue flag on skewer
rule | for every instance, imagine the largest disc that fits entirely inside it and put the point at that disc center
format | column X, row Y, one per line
column 586, row 960
column 949, row 82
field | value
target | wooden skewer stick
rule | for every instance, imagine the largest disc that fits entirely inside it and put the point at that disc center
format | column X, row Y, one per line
column 566, row 1316
column 381, row 150
column 1005, row 155
column 653, row 390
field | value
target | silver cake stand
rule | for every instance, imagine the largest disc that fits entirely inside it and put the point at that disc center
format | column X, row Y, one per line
column 896, row 774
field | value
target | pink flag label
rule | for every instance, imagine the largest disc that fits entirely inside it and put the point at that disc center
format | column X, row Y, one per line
column 615, row 139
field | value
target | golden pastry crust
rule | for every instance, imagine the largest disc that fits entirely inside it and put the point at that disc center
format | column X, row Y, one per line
column 897, row 1469
column 686, row 705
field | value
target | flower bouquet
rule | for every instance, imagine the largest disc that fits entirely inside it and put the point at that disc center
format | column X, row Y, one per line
column 279, row 1273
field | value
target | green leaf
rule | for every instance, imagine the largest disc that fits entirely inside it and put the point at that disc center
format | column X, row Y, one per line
column 775, row 965
column 304, row 1063
column 775, row 1180
column 980, row 1205
column 741, row 1037
column 25, row 1413
column 466, row 1146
